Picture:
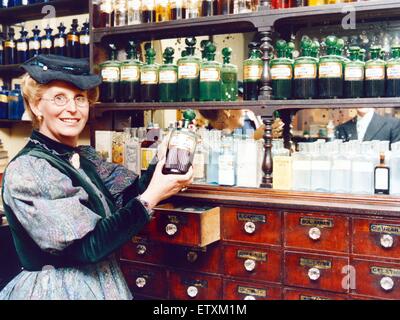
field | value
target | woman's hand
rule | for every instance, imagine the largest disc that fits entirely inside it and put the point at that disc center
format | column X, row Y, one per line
column 163, row 147
column 163, row 186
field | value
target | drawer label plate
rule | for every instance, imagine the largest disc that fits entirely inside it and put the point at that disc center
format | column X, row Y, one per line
column 259, row 218
column 195, row 283
column 316, row 222
column 389, row 272
column 319, row 264
column 176, row 219
column 304, row 297
column 254, row 255
column 252, row 291
column 384, row 228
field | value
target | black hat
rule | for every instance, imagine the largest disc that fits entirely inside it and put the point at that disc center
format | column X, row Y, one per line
column 48, row 67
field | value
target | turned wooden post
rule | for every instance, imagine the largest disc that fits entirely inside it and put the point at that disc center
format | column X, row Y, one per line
column 287, row 118
column 267, row 165
column 266, row 48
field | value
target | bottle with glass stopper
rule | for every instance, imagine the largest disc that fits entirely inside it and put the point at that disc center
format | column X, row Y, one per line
column 229, row 77
column 149, row 78
column 47, row 41
column 210, row 76
column 315, row 49
column 393, row 73
column 120, row 13
column 252, row 71
column 60, row 41
column 134, row 12
column 84, row 40
column 73, row 50
column 148, row 11
column 375, row 74
column 130, row 75
column 34, row 43
column 10, row 48
column 354, row 73
column 168, row 79
column 281, row 72
column 22, row 47
column 110, row 74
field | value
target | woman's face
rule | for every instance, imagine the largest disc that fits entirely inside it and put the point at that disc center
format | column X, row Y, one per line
column 65, row 111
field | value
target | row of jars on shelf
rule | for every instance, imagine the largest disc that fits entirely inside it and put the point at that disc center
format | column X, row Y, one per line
column 17, row 3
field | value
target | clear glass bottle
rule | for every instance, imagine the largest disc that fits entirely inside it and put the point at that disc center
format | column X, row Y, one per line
column 149, row 78
column 110, row 74
column 252, row 71
column 210, row 76
column 120, row 13
column 301, row 166
column 134, row 12
column 130, row 75
column 214, row 152
column 200, row 156
column 362, row 170
column 226, row 163
column 193, row 9
column 163, row 10
column 46, row 44
column 393, row 73
column 132, row 156
column 247, row 169
column 60, row 41
column 341, row 169
column 354, row 75
column 229, row 77
column 281, row 73
column 320, row 168
column 168, row 77
column 105, row 17
column 22, row 47
column 375, row 74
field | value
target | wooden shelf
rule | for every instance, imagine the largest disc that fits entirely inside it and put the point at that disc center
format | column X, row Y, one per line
column 9, row 16
column 10, row 71
column 258, row 21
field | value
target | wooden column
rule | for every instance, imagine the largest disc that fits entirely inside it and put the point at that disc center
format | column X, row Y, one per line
column 287, row 117
column 266, row 48
column 267, row 165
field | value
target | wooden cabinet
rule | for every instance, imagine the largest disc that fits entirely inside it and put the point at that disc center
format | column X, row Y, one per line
column 251, row 290
column 143, row 249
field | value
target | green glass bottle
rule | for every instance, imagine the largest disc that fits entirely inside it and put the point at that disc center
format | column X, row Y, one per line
column 149, row 78
column 340, row 44
column 315, row 49
column 229, row 77
column 168, row 77
column 354, row 74
column 203, row 45
column 252, row 72
column 130, row 75
column 290, row 47
column 375, row 74
column 362, row 55
column 305, row 72
column 189, row 73
column 110, row 74
column 393, row 73
column 330, row 71
column 210, row 76
column 281, row 72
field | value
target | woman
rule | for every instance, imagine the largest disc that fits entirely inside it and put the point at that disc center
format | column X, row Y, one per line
column 67, row 209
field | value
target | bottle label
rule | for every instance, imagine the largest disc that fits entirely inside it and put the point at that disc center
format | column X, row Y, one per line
column 3, row 98
column 59, row 42
column 393, row 72
column 22, row 46
column 168, row 76
column 132, row 157
column 375, row 73
column 134, row 5
column 110, row 74
column 354, row 73
column 73, row 38
column 130, row 73
column 188, row 71
column 252, row 72
column 281, row 72
column 46, row 44
column 183, row 141
column 9, row 44
column 330, row 70
column 382, row 179
column 305, row 71
column 148, row 77
column 84, row 39
column 210, row 74
column 106, row 6
column 34, row 45
column 148, row 5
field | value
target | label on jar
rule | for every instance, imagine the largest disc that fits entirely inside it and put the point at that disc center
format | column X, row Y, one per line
column 73, row 38
column 387, row 229
column 304, row 297
column 147, row 4
column 252, row 291
column 46, row 44
column 382, row 178
column 389, row 272
column 188, row 71
column 319, row 264
column 210, row 74
column 375, row 73
column 316, row 222
column 84, row 39
column 110, row 74
column 168, row 76
column 393, row 72
column 183, row 141
column 253, row 255
column 252, row 72
column 3, row 98
column 330, row 70
column 59, row 42
column 134, row 5
column 149, row 77
column 354, row 73
column 22, row 46
column 305, row 71
column 251, row 217
column 34, row 45
column 281, row 72
column 130, row 73
column 9, row 44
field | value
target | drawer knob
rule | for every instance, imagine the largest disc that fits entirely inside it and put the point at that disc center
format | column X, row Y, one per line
column 141, row 249
column 140, row 282
column 192, row 291
column 314, row 233
column 249, row 265
column 387, row 241
column 249, row 298
column 387, row 283
column 192, row 256
column 250, row 227
column 314, row 274
column 171, row 229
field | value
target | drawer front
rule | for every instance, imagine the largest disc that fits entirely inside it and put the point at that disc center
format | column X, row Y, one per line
column 146, row 280
column 256, row 263
column 144, row 250
column 321, row 272
column 194, row 286
column 207, row 259
column 241, row 290
column 317, row 232
column 380, row 238
column 377, row 279
column 296, row 294
column 252, row 226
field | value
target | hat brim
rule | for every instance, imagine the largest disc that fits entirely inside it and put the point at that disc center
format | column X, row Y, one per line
column 83, row 82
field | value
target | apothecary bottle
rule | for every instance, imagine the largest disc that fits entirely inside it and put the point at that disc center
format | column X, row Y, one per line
column 120, row 13
column 148, row 11
column 60, row 41
column 149, row 78
column 46, row 44
column 225, row 6
column 163, row 10
column 188, row 73
column 193, row 9
column 134, row 12
column 130, row 75
column 110, row 74
column 22, row 47
column 73, row 50
column 178, row 9
column 84, row 40
column 393, row 73
column 209, row 8
column 10, row 48
column 210, row 76
column 229, row 77
column 354, row 74
column 252, row 71
column 281, row 72
column 375, row 74
column 168, row 77
column 34, row 43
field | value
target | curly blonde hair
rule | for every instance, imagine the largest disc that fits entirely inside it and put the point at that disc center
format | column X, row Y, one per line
column 32, row 92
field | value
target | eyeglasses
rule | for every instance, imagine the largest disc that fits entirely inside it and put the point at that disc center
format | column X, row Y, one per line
column 61, row 100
